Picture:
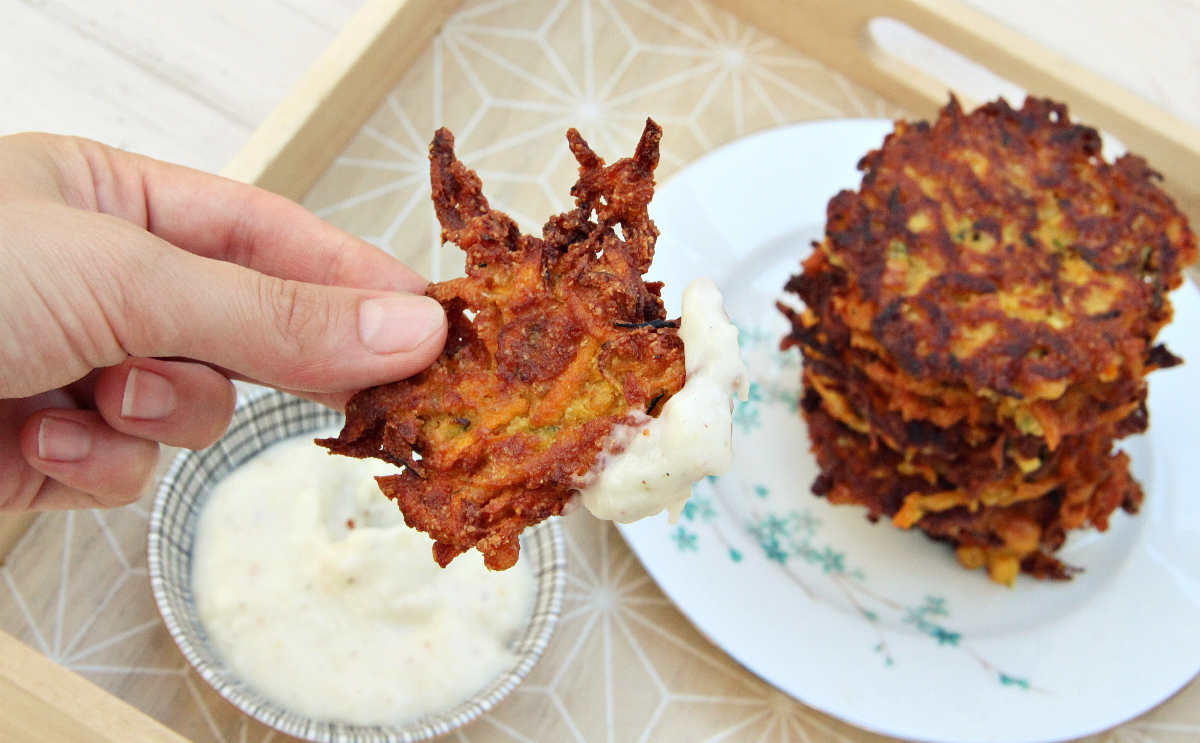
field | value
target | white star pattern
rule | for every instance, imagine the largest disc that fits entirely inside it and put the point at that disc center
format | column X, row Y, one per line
column 631, row 671
column 508, row 77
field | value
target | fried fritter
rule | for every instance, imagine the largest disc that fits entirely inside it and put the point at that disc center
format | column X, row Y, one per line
column 553, row 341
column 993, row 512
column 873, row 398
column 864, row 388
column 991, row 262
column 977, row 328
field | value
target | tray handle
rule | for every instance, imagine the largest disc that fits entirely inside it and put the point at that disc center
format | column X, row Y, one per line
column 835, row 32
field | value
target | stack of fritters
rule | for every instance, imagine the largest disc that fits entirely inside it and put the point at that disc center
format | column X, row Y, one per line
column 977, row 327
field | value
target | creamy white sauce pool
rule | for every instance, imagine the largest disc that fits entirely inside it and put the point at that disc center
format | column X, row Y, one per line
column 314, row 591
column 651, row 463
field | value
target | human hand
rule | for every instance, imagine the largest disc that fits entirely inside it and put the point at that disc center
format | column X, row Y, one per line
column 132, row 291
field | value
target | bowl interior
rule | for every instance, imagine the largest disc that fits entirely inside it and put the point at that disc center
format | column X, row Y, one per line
column 259, row 422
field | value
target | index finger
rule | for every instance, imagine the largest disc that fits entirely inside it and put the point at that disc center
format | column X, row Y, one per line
column 220, row 218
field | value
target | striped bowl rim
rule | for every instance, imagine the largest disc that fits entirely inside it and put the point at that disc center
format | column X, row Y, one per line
column 259, row 421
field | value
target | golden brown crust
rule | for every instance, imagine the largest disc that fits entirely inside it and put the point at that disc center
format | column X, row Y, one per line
column 564, row 340
column 978, row 324
column 979, row 501
column 976, row 478
column 869, row 395
column 997, row 250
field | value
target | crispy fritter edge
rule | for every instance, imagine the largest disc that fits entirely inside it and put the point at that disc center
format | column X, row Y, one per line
column 382, row 422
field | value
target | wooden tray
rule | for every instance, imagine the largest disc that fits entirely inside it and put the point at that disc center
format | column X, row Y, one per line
column 509, row 77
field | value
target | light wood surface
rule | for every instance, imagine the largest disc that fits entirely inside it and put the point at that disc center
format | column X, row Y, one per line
column 181, row 80
column 141, row 75
column 42, row 702
column 835, row 32
column 297, row 141
column 12, row 527
column 304, row 133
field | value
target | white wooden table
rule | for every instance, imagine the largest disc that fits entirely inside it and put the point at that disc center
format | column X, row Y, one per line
column 181, row 80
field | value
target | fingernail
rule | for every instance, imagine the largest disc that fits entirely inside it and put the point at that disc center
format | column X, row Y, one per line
column 63, row 440
column 148, row 396
column 395, row 324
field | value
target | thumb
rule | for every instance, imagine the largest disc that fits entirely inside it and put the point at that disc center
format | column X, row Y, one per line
column 287, row 334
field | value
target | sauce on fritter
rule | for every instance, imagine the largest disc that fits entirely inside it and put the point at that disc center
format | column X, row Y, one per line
column 649, row 464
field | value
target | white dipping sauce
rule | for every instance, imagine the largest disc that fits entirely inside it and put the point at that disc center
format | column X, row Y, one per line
column 651, row 463
column 314, row 592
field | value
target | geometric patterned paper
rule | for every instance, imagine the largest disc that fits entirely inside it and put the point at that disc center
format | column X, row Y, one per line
column 508, row 78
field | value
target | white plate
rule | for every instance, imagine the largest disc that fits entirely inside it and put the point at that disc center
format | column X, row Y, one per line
column 871, row 624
